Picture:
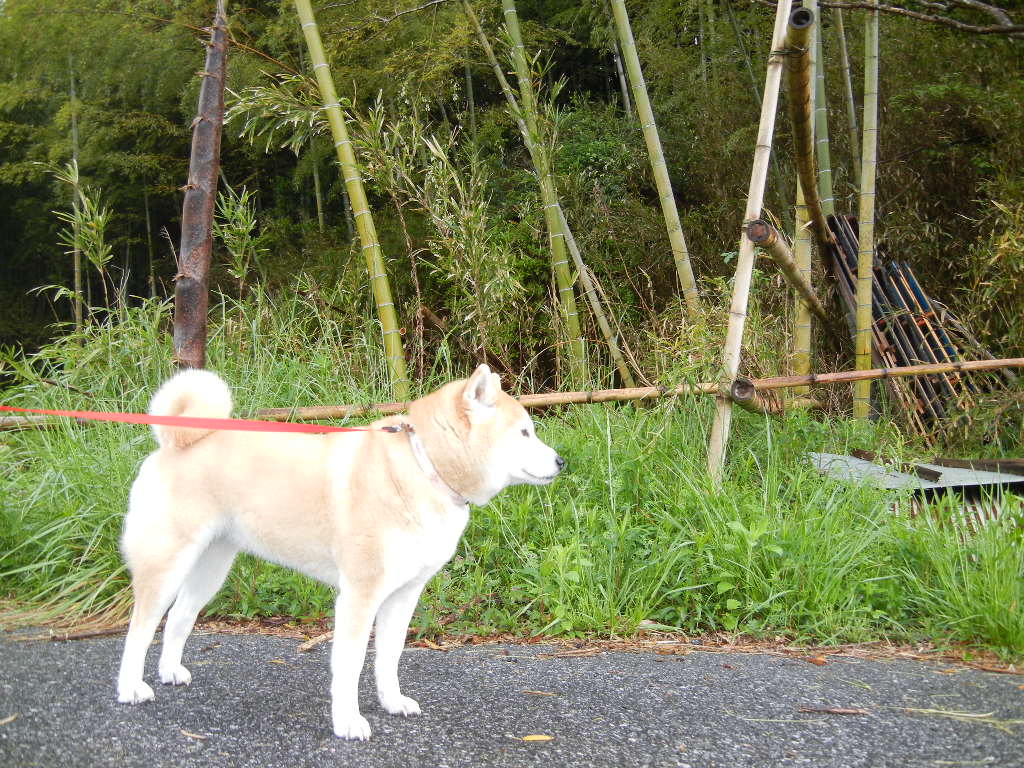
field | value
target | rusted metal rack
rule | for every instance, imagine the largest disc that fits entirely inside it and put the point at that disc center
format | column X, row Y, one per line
column 909, row 328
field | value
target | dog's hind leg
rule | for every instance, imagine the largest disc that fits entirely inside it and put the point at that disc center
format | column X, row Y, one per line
column 392, row 624
column 157, row 577
column 199, row 587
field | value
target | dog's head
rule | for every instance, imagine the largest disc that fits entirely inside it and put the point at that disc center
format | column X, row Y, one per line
column 481, row 439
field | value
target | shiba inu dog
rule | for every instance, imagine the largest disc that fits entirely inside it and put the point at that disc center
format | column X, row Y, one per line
column 374, row 514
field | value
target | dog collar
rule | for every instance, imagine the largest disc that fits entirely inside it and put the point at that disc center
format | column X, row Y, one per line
column 419, row 451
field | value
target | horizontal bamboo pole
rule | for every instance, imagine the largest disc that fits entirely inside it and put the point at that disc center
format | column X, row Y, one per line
column 619, row 395
column 653, row 393
column 764, row 234
column 845, row 377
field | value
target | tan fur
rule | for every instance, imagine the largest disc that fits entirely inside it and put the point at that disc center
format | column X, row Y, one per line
column 373, row 513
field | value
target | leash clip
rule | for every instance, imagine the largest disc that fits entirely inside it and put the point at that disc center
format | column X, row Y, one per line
column 403, row 427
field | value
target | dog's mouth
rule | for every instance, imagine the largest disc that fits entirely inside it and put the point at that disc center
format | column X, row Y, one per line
column 540, row 478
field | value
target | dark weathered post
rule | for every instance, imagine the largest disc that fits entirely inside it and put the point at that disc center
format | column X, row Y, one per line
column 191, row 283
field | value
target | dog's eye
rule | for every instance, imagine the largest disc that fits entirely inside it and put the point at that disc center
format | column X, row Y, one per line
column 525, row 432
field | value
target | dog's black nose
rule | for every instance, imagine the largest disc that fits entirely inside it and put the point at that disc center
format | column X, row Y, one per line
column 559, row 462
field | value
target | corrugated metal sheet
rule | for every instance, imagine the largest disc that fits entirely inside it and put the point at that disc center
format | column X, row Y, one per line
column 951, row 478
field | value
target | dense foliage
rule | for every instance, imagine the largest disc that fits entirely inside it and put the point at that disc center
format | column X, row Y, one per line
column 463, row 233
column 96, row 101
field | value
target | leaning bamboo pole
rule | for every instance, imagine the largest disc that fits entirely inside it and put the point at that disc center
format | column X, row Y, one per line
column 745, row 260
column 799, row 73
column 590, row 292
column 620, row 72
column 577, row 351
column 767, row 237
column 547, row 399
column 528, row 139
column 361, row 210
column 851, row 109
column 802, row 315
column 677, row 241
column 191, row 293
column 866, row 250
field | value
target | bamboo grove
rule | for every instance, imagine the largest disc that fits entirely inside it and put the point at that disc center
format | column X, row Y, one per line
column 549, row 187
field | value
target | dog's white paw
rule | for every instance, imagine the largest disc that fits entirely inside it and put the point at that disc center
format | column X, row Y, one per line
column 175, row 675
column 353, row 727
column 400, row 705
column 134, row 693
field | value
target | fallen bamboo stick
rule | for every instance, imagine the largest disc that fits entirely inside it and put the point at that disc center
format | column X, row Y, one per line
column 744, row 393
column 548, row 399
column 765, row 235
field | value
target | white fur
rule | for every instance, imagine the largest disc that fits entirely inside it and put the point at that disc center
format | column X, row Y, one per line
column 357, row 511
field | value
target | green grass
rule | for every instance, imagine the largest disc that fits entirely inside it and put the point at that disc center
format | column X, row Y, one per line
column 632, row 531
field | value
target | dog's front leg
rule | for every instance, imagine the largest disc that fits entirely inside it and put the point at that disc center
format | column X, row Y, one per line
column 392, row 625
column 353, row 617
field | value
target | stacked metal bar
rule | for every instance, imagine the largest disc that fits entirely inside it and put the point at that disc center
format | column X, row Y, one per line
column 908, row 328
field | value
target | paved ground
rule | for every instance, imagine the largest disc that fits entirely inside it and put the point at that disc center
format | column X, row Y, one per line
column 257, row 701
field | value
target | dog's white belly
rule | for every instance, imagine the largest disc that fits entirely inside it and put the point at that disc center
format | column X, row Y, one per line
column 310, row 555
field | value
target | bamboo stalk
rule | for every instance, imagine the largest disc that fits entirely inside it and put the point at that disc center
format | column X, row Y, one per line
column 151, row 278
column 799, row 73
column 745, row 260
column 765, row 235
column 620, row 71
column 318, row 197
column 77, row 253
column 828, row 200
column 549, row 198
column 755, row 89
column 191, row 294
column 470, row 100
column 851, row 109
column 616, row 50
column 375, row 266
column 677, row 241
column 802, row 314
column 802, row 249
column 595, row 304
column 866, row 249
column 570, row 241
column 743, row 49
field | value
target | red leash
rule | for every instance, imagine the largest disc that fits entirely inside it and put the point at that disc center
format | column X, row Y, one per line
column 238, row 425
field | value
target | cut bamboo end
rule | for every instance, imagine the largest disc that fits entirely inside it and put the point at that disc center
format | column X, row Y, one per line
column 763, row 234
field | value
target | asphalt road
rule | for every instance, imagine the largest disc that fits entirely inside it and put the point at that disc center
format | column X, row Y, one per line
column 257, row 701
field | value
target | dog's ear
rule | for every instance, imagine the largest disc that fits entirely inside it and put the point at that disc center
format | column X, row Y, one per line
column 481, row 391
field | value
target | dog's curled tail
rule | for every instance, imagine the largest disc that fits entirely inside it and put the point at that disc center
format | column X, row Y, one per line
column 192, row 392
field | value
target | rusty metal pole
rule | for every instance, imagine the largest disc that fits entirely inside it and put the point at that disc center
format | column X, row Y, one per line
column 191, row 295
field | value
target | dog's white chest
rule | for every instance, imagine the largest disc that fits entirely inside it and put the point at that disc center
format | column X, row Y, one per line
column 439, row 537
